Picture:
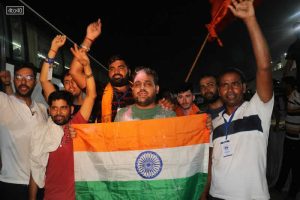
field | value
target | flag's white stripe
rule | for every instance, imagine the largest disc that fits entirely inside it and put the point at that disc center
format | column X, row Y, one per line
column 178, row 162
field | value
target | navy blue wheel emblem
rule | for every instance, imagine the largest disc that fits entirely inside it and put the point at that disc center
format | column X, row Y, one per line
column 148, row 164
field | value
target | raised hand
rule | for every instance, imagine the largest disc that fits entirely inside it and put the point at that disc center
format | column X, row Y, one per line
column 80, row 55
column 242, row 8
column 57, row 42
column 93, row 30
column 166, row 104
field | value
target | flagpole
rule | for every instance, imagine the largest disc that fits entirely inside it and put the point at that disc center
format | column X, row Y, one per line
column 196, row 59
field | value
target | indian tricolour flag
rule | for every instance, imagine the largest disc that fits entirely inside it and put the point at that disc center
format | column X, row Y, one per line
column 150, row 159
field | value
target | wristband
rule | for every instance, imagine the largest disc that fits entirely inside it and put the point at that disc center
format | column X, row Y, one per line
column 49, row 60
column 85, row 47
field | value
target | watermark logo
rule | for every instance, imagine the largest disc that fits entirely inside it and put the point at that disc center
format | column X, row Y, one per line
column 14, row 10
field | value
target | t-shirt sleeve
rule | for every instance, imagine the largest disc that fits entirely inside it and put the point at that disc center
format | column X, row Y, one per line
column 78, row 119
column 120, row 114
column 264, row 110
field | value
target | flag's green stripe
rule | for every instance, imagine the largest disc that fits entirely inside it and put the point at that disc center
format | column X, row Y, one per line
column 184, row 188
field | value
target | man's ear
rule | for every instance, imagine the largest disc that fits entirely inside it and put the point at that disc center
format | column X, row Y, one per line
column 244, row 88
column 129, row 72
column 72, row 109
column 193, row 97
column 157, row 89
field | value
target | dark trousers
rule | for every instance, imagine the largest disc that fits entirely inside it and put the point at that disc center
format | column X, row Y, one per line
column 290, row 161
column 213, row 198
column 10, row 191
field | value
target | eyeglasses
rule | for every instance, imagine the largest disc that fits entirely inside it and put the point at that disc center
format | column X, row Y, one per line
column 235, row 84
column 26, row 77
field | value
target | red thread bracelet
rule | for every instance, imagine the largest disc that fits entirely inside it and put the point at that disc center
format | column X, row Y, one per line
column 89, row 39
column 53, row 51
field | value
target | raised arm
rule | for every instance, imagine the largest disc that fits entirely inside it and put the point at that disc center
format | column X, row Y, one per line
column 47, row 85
column 244, row 10
column 76, row 70
column 88, row 102
column 6, row 81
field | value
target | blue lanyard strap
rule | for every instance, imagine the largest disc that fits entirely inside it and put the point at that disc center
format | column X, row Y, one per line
column 227, row 124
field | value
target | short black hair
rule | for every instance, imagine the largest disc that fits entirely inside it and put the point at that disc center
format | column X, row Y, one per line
column 28, row 65
column 208, row 75
column 232, row 70
column 148, row 71
column 113, row 58
column 62, row 94
column 183, row 87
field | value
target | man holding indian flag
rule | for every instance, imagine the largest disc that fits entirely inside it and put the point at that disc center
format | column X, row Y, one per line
column 145, row 157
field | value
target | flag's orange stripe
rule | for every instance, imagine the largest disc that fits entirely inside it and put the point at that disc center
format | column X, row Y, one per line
column 141, row 135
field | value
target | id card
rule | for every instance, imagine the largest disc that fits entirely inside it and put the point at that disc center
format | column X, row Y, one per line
column 226, row 148
column 50, row 71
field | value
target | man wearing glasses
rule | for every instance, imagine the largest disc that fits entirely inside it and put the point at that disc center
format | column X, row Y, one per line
column 19, row 115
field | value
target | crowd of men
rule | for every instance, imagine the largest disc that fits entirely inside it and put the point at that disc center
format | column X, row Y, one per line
column 240, row 129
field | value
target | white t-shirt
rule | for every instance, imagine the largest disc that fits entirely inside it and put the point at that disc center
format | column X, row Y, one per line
column 242, row 175
column 17, row 122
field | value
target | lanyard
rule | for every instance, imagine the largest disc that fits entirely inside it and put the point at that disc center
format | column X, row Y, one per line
column 119, row 99
column 227, row 124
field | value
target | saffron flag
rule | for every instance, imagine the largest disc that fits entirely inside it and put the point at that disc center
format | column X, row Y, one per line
column 220, row 18
column 149, row 159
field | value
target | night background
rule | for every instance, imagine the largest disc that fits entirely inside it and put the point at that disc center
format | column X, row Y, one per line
column 167, row 35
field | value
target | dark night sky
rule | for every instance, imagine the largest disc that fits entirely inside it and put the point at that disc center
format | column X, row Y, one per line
column 167, row 36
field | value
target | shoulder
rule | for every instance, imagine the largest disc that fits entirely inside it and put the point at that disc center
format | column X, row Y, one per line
column 257, row 101
column 3, row 95
column 78, row 119
column 166, row 112
column 42, row 108
column 126, row 111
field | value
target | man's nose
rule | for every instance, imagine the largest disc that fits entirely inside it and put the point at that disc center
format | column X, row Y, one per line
column 23, row 80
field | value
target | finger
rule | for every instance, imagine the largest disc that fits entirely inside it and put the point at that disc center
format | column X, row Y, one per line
column 232, row 9
column 234, row 3
column 72, row 50
column 76, row 47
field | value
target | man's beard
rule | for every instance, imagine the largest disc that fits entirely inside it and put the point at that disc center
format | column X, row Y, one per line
column 146, row 102
column 119, row 82
column 213, row 99
column 60, row 123
column 28, row 94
